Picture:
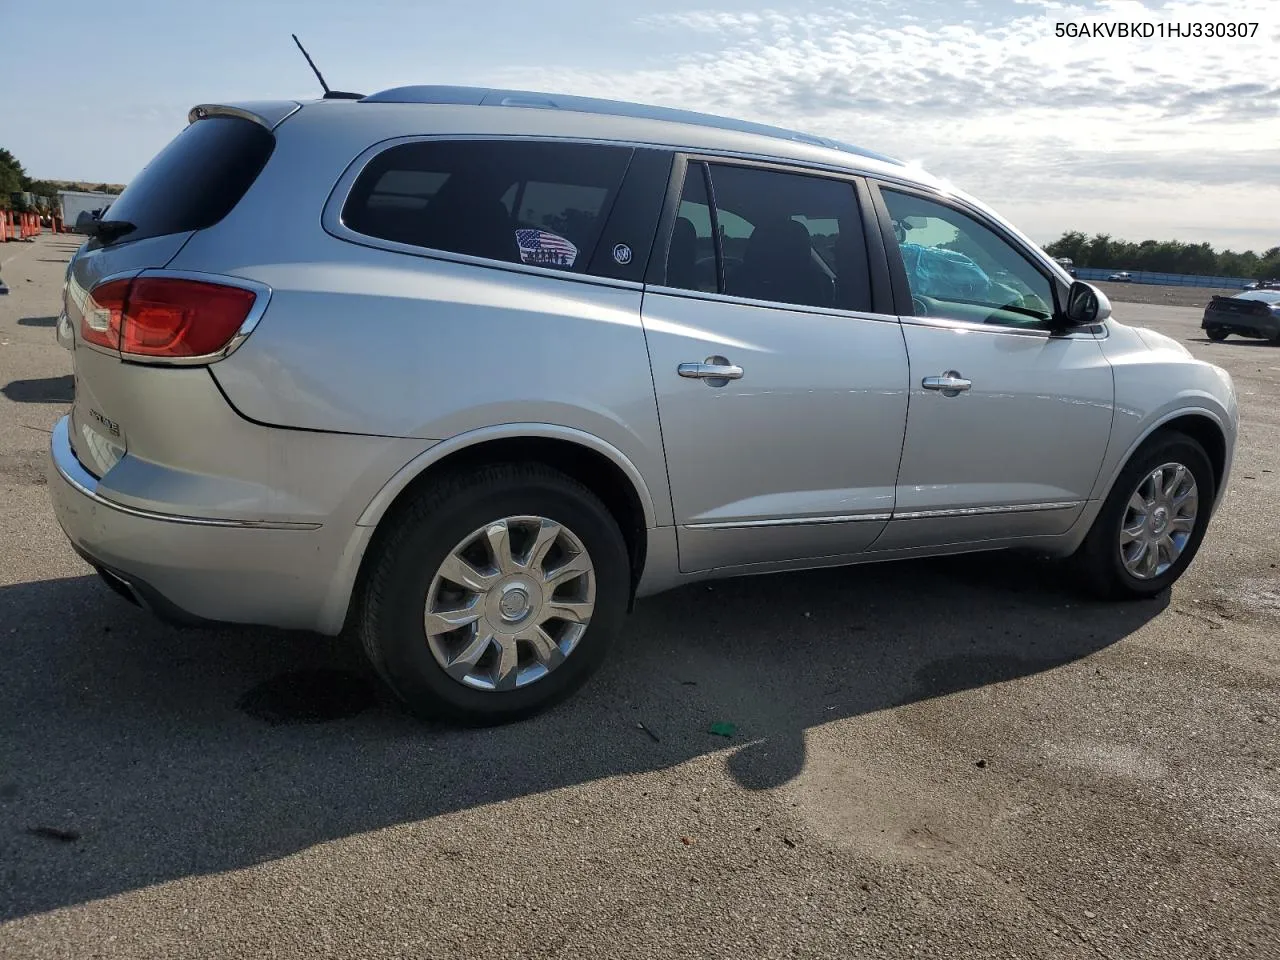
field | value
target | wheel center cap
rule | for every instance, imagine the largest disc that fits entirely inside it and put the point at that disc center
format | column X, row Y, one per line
column 514, row 604
column 1159, row 520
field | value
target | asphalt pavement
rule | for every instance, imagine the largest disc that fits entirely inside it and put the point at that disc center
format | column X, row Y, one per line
column 954, row 758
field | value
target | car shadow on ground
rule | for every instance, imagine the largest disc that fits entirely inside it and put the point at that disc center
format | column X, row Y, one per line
column 40, row 390
column 38, row 321
column 133, row 753
column 1234, row 342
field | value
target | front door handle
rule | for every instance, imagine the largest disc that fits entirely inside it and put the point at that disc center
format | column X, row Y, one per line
column 715, row 371
column 950, row 383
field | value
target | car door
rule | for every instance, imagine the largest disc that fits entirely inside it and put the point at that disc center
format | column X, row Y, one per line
column 1008, row 419
column 782, row 393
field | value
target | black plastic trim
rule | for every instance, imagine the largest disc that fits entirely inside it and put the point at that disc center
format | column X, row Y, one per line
column 882, row 287
column 633, row 220
column 656, row 273
column 717, row 238
column 142, row 594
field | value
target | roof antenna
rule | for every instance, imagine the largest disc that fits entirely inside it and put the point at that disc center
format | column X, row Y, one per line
column 328, row 94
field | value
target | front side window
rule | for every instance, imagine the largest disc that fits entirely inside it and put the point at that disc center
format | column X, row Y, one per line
column 959, row 269
column 537, row 203
column 785, row 237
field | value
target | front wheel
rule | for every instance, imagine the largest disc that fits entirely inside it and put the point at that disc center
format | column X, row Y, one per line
column 495, row 594
column 1216, row 334
column 1152, row 522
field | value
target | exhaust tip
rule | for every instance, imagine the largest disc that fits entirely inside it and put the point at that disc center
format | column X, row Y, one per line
column 119, row 585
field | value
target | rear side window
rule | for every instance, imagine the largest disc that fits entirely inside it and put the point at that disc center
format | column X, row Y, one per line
column 196, row 180
column 780, row 236
column 542, row 204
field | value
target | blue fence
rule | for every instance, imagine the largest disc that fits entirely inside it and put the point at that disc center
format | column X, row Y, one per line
column 1166, row 279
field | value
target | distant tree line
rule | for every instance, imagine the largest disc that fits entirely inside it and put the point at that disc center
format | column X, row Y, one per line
column 1164, row 256
column 14, row 179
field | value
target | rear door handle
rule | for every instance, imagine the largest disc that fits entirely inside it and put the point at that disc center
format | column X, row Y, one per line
column 950, row 383
column 712, row 369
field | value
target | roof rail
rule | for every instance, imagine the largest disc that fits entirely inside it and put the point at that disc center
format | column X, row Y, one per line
column 489, row 97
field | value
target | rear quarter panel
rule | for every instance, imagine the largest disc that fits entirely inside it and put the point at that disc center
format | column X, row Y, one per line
column 369, row 341
column 395, row 345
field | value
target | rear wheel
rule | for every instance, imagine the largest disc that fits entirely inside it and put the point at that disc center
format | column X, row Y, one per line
column 495, row 595
column 1152, row 522
column 1216, row 333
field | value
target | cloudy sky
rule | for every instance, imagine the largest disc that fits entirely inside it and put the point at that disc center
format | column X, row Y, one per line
column 1160, row 138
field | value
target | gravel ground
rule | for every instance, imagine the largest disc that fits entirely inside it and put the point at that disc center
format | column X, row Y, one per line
column 1149, row 293
column 942, row 759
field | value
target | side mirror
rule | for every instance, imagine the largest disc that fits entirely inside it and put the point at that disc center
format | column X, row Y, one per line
column 1086, row 305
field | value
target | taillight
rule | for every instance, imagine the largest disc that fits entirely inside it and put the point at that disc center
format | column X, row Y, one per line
column 100, row 321
column 165, row 317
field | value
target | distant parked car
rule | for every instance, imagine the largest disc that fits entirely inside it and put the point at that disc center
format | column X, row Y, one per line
column 1255, row 313
column 1121, row 277
column 1067, row 264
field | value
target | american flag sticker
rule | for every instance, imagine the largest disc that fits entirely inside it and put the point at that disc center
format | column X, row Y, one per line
column 545, row 249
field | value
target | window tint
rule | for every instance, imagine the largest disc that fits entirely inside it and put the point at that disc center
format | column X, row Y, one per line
column 196, row 180
column 784, row 237
column 406, row 189
column 960, row 269
column 535, row 203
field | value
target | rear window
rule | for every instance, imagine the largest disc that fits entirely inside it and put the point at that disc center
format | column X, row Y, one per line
column 537, row 203
column 196, row 180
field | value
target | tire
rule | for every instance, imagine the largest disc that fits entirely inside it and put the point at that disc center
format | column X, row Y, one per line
column 1216, row 334
column 393, row 622
column 1099, row 559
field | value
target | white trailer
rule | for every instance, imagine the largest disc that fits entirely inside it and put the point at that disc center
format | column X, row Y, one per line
column 74, row 202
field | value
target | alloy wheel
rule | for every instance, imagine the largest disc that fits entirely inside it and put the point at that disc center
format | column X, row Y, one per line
column 1158, row 521
column 509, row 603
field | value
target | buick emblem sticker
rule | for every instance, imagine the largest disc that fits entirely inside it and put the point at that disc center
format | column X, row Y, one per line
column 622, row 254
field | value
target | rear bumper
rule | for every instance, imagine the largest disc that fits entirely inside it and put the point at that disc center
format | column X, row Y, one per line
column 196, row 570
column 1242, row 324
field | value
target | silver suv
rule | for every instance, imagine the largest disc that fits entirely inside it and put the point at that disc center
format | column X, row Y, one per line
column 468, row 371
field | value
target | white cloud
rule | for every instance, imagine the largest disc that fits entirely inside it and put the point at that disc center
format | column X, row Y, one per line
column 1031, row 121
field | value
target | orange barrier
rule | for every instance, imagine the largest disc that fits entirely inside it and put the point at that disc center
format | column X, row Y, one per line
column 27, row 226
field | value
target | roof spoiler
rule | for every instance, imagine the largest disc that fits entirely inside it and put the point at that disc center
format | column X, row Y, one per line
column 267, row 113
